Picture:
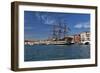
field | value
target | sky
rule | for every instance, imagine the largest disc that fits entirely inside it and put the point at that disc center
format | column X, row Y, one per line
column 39, row 25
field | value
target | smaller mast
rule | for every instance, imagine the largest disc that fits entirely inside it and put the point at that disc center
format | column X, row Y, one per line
column 59, row 31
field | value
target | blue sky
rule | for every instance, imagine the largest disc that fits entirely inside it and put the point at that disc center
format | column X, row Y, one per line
column 39, row 25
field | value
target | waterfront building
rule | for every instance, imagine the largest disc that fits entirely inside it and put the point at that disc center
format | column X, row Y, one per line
column 28, row 42
column 85, row 37
column 77, row 38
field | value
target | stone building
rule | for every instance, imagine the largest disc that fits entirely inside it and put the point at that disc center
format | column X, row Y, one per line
column 85, row 37
column 77, row 38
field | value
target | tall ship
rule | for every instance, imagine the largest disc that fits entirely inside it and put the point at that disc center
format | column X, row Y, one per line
column 59, row 34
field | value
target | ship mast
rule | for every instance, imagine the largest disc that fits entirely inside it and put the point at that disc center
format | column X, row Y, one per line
column 59, row 31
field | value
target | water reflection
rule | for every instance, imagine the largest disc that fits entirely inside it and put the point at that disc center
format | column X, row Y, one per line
column 56, row 52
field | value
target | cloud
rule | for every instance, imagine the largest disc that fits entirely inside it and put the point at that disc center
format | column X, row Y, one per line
column 86, row 26
column 48, row 20
column 82, row 25
column 45, row 19
column 78, row 26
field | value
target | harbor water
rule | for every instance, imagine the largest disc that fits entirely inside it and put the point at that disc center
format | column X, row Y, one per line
column 56, row 52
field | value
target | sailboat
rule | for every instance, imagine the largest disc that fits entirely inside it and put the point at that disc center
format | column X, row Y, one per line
column 59, row 34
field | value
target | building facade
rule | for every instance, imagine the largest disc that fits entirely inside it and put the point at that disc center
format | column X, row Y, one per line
column 77, row 38
column 85, row 37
